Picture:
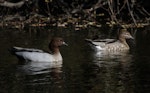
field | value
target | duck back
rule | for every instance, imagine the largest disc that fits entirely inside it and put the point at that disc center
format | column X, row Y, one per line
column 35, row 55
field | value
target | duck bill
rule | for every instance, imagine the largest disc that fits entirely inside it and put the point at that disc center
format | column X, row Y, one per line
column 131, row 37
column 64, row 43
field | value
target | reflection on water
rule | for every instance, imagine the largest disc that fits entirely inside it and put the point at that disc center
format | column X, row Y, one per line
column 32, row 68
column 83, row 70
column 102, row 57
column 113, row 73
column 41, row 77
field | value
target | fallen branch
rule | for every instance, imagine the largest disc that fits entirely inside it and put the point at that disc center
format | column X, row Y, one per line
column 12, row 5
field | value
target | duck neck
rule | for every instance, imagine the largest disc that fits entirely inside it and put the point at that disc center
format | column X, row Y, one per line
column 123, row 40
column 55, row 50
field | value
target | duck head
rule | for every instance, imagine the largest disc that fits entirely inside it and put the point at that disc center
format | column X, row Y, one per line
column 124, row 34
column 55, row 43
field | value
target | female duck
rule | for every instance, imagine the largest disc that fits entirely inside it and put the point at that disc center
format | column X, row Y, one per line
column 36, row 55
column 111, row 44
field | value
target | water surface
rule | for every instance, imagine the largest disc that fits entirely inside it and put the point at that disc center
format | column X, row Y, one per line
column 84, row 70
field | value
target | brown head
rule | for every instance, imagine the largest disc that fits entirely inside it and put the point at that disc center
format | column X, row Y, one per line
column 124, row 34
column 55, row 43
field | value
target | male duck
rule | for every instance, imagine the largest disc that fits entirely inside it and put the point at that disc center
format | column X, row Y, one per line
column 112, row 44
column 36, row 55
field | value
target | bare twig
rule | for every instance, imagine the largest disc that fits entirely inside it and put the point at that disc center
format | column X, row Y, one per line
column 112, row 14
column 131, row 13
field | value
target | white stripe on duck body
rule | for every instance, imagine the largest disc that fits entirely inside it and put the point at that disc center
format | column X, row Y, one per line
column 37, row 55
column 113, row 44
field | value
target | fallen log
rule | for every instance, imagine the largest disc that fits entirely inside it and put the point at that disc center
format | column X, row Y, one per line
column 12, row 5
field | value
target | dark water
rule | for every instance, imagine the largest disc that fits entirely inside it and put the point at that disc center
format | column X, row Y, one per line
column 84, row 70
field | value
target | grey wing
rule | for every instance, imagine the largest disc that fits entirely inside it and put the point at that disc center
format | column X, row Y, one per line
column 27, row 49
column 105, row 40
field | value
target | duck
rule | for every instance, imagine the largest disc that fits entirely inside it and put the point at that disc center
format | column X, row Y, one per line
column 37, row 55
column 111, row 45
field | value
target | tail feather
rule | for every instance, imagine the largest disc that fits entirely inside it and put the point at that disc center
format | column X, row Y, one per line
column 89, row 40
column 12, row 50
column 97, row 42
